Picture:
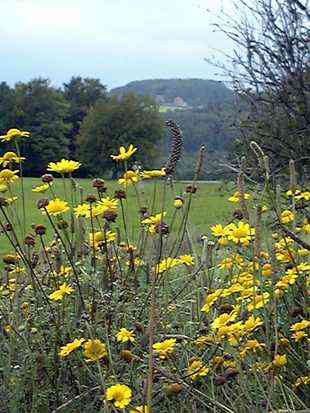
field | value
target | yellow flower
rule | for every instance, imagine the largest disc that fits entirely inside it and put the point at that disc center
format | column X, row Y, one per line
column 61, row 292
column 287, row 217
column 303, row 380
column 124, row 153
column 222, row 320
column 100, row 237
column 266, row 270
column 56, row 206
column 187, row 260
column 153, row 174
column 165, row 348
column 64, row 271
column 120, row 394
column 203, row 341
column 40, row 188
column 68, row 348
column 300, row 326
column 94, row 350
column 197, row 370
column 240, row 234
column 252, row 323
column 11, row 200
column 299, row 336
column 258, row 301
column 108, row 204
column 178, row 202
column 82, row 210
column 10, row 157
column 279, row 360
column 64, row 166
column 235, row 198
column 129, row 177
column 166, row 264
column 124, row 335
column 7, row 176
column 139, row 409
column 218, row 231
column 14, row 133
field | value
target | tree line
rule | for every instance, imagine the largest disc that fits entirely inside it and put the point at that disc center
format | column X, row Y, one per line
column 79, row 121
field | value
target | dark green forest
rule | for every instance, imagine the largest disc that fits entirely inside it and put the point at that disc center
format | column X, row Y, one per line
column 82, row 120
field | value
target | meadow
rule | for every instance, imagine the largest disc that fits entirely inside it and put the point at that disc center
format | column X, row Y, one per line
column 148, row 295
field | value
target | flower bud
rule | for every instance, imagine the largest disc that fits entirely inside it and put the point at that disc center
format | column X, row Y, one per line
column 40, row 229
column 42, row 203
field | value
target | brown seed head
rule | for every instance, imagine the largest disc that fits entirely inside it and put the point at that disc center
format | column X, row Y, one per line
column 91, row 198
column 126, row 355
column 174, row 389
column 9, row 259
column 29, row 240
column 162, row 228
column 120, row 194
column 40, row 229
column 47, row 178
column 42, row 203
column 110, row 216
column 98, row 183
column 191, row 189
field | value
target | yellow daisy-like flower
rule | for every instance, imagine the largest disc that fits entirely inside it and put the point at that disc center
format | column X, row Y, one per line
column 120, row 394
column 129, row 178
column 218, row 231
column 82, row 210
column 9, row 158
column 279, row 360
column 68, row 348
column 157, row 173
column 94, row 350
column 59, row 294
column 125, row 335
column 108, row 204
column 7, row 176
column 139, row 409
column 124, row 153
column 187, row 260
column 178, row 202
column 40, row 188
column 64, row 166
column 235, row 198
column 197, row 369
column 300, row 326
column 240, row 234
column 57, row 206
column 287, row 216
column 14, row 133
column 99, row 237
column 165, row 348
column 166, row 264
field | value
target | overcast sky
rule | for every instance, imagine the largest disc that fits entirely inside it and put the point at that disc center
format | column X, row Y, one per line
column 114, row 40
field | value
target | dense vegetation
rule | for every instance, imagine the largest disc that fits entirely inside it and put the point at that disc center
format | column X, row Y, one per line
column 109, row 302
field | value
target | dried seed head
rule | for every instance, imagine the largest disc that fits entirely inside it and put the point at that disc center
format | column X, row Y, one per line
column 220, row 380
column 230, row 373
column 110, row 216
column 29, row 240
column 174, row 389
column 200, row 160
column 7, row 227
column 91, row 198
column 238, row 214
column 99, row 184
column 3, row 202
column 176, row 147
column 162, row 228
column 190, row 189
column 47, row 178
column 42, row 203
column 62, row 224
column 120, row 194
column 40, row 229
column 9, row 259
column 126, row 355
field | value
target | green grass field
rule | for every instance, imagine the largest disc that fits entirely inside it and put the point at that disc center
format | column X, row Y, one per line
column 209, row 204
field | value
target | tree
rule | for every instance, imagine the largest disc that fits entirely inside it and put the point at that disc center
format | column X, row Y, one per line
column 6, row 107
column 272, row 77
column 41, row 110
column 115, row 122
column 81, row 94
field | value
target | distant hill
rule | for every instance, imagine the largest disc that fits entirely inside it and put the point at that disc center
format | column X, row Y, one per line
column 179, row 93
